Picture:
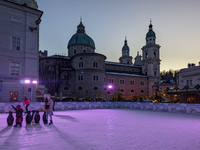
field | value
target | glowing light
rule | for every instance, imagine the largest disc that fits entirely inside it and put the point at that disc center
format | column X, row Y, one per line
column 34, row 82
column 110, row 86
column 27, row 81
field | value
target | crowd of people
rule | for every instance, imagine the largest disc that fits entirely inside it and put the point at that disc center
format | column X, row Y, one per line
column 48, row 109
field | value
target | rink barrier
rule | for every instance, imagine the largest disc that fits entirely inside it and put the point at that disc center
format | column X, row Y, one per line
column 59, row 106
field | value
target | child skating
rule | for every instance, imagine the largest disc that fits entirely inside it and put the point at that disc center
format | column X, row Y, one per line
column 19, row 116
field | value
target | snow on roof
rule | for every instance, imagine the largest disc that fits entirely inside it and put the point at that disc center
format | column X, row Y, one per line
column 125, row 74
column 120, row 64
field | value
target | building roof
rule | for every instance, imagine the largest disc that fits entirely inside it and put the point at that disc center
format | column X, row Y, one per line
column 120, row 64
column 81, row 37
column 151, row 33
column 125, row 47
column 126, row 74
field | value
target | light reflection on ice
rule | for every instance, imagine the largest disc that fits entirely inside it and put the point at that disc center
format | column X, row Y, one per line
column 111, row 129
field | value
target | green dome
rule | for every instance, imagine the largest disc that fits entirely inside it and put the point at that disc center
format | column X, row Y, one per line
column 81, row 37
column 125, row 47
column 151, row 33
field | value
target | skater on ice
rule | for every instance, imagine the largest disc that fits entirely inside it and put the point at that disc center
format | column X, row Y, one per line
column 48, row 108
column 19, row 117
column 26, row 102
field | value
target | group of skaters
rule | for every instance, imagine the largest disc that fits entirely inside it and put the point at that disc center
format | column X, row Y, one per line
column 48, row 111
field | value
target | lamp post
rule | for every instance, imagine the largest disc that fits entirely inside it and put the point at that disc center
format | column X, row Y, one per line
column 109, row 87
column 27, row 81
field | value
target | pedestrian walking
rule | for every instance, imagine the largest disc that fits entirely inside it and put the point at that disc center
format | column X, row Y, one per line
column 48, row 108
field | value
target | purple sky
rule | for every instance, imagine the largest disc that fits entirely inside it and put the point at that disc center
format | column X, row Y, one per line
column 107, row 22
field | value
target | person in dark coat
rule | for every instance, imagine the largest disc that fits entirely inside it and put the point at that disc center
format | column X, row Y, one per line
column 19, row 117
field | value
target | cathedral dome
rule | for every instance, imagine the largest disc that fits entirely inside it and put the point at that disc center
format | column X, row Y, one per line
column 81, row 37
column 151, row 33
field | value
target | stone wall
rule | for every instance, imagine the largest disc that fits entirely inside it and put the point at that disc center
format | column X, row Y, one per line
column 60, row 106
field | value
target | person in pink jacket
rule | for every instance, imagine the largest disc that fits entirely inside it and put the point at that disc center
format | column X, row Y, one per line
column 48, row 108
column 27, row 103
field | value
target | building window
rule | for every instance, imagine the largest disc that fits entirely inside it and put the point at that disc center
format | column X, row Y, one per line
column 154, row 54
column 121, row 82
column 74, row 51
column 66, row 88
column 13, row 96
column 141, row 82
column 84, row 51
column 14, row 68
column 95, row 65
column 190, row 82
column 146, row 55
column 142, row 91
column 95, row 78
column 132, row 90
column 122, row 90
column 131, row 82
column 155, row 73
column 80, row 64
column 95, row 88
column 15, row 43
column 110, row 80
column 80, row 88
column 80, row 77
column 187, row 82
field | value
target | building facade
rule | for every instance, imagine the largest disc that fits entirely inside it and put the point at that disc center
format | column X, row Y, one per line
column 19, row 54
column 91, row 76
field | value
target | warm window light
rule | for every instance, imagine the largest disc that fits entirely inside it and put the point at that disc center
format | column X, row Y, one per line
column 34, row 82
column 27, row 81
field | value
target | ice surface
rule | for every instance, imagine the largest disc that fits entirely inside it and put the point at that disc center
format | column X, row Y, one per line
column 105, row 129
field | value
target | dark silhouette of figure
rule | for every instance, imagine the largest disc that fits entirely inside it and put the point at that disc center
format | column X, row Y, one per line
column 44, row 117
column 37, row 117
column 10, row 119
column 29, row 118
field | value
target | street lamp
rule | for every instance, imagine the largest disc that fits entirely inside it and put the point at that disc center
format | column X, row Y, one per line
column 109, row 87
column 28, row 81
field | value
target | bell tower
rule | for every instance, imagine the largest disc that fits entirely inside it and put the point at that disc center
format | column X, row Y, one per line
column 151, row 60
column 125, row 58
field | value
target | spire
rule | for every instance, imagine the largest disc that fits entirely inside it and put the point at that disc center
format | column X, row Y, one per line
column 80, row 27
column 125, row 42
column 150, row 26
column 125, row 47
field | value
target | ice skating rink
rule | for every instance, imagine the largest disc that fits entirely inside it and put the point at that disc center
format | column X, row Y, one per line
column 105, row 129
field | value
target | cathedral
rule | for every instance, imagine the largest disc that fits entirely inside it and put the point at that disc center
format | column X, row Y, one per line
column 85, row 73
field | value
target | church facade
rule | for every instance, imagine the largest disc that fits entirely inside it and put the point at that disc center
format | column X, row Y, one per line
column 88, row 74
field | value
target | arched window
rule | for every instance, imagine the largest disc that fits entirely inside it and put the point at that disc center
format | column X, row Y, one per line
column 80, row 65
column 95, row 65
column 132, row 90
column 122, row 90
column 66, row 88
column 146, row 55
column 80, row 88
column 74, row 51
column 142, row 91
column 154, row 54
column 95, row 88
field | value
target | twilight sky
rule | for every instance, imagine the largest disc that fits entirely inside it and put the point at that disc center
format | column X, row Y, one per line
column 175, row 22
